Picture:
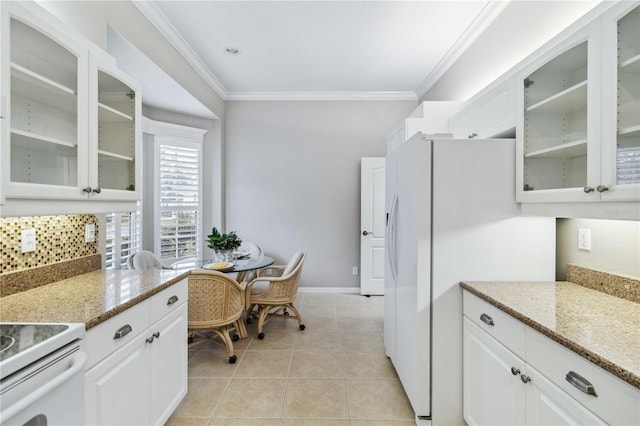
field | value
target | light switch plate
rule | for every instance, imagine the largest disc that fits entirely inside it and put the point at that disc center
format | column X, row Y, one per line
column 28, row 240
column 89, row 232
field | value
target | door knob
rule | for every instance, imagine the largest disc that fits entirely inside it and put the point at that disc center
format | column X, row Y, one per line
column 365, row 233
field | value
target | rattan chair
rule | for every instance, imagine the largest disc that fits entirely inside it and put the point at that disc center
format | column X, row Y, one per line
column 216, row 303
column 273, row 292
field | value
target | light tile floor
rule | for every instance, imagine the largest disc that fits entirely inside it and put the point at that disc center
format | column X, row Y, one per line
column 335, row 372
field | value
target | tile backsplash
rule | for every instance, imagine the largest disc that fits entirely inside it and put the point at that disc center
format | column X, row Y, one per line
column 58, row 238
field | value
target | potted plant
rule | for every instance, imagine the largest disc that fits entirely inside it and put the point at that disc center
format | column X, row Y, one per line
column 223, row 244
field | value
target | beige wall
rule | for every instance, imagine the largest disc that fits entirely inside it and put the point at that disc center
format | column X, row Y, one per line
column 615, row 246
column 293, row 178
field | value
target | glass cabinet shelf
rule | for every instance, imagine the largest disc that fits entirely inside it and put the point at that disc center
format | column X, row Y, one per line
column 566, row 150
column 631, row 65
column 27, row 84
column 114, row 155
column 572, row 99
column 109, row 114
column 20, row 134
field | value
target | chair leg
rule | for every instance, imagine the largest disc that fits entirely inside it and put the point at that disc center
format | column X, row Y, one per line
column 301, row 326
column 223, row 333
column 263, row 312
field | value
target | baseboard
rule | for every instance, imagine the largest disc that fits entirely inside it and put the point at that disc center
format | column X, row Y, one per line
column 350, row 290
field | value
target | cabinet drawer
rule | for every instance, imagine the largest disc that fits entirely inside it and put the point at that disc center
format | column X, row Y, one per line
column 168, row 300
column 102, row 341
column 503, row 327
column 616, row 402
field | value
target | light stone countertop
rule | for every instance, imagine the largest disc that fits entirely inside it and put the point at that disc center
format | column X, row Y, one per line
column 601, row 328
column 88, row 298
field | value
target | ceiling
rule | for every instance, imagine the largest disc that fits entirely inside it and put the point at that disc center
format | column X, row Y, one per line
column 321, row 49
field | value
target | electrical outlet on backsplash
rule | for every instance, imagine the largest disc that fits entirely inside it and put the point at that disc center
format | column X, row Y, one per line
column 61, row 250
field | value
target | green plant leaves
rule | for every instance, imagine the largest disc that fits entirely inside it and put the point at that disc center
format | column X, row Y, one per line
column 223, row 242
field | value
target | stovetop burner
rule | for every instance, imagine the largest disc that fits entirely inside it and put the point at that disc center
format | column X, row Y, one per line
column 6, row 342
column 24, row 343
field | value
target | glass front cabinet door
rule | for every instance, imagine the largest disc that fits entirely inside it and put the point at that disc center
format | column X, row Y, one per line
column 558, row 130
column 621, row 103
column 44, row 78
column 115, row 111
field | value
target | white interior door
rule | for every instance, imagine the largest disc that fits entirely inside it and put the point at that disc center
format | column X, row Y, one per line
column 372, row 226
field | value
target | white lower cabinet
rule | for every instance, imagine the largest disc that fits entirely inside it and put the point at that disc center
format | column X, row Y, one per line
column 492, row 394
column 168, row 366
column 117, row 389
column 507, row 383
column 144, row 379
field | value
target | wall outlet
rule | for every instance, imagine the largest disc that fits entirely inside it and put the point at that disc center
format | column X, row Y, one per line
column 584, row 239
column 89, row 232
column 28, row 240
column 355, row 270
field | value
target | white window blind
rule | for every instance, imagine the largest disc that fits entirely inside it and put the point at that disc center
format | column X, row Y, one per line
column 180, row 199
column 123, row 238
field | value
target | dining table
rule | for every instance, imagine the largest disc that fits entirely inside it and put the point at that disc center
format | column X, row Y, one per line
column 241, row 265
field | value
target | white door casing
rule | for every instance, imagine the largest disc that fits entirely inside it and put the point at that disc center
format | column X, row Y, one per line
column 372, row 225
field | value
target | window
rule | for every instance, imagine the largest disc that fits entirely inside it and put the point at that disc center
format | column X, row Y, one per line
column 172, row 200
column 180, row 199
column 122, row 238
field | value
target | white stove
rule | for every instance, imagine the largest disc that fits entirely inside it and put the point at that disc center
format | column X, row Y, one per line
column 41, row 373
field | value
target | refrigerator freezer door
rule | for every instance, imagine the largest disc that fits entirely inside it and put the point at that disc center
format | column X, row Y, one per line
column 413, row 253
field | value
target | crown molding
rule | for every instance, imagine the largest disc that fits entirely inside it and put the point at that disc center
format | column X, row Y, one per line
column 321, row 96
column 162, row 24
column 488, row 14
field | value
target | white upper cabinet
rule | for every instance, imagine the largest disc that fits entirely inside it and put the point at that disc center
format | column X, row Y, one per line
column 621, row 103
column 489, row 114
column 558, row 135
column 72, row 123
column 578, row 130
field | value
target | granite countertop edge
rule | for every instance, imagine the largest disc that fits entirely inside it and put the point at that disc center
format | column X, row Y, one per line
column 90, row 298
column 132, row 302
column 580, row 350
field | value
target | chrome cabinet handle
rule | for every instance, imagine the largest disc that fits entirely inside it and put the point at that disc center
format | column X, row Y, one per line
column 87, row 190
column 123, row 331
column 525, row 379
column 173, row 299
column 587, row 189
column 602, row 188
column 97, row 190
column 515, row 371
column 486, row 319
column 472, row 135
column 580, row 383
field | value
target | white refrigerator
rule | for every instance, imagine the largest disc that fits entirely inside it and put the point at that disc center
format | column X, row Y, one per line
column 451, row 217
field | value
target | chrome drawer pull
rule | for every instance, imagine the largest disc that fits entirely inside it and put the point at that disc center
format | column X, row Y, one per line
column 525, row 379
column 580, row 383
column 172, row 300
column 515, row 371
column 486, row 319
column 123, row 331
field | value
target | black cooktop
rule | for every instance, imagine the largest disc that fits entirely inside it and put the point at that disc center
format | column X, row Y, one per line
column 15, row 337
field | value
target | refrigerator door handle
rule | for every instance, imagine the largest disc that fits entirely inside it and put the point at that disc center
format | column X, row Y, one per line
column 391, row 237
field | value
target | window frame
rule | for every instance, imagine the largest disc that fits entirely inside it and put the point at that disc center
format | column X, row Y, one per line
column 180, row 136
